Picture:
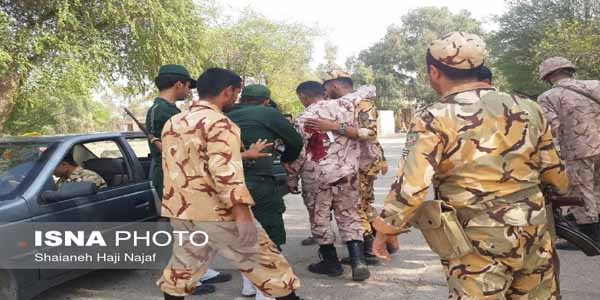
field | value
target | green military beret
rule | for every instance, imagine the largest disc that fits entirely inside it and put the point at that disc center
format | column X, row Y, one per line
column 256, row 90
column 177, row 70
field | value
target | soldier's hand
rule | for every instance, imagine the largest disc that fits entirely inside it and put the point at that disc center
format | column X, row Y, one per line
column 246, row 225
column 321, row 125
column 380, row 246
column 384, row 168
column 255, row 150
column 288, row 168
column 248, row 233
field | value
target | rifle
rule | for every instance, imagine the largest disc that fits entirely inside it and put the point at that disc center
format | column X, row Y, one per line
column 566, row 229
column 140, row 125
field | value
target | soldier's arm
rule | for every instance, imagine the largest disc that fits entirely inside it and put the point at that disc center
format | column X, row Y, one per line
column 552, row 170
column 367, row 121
column 551, row 113
column 294, row 168
column 225, row 164
column 414, row 178
column 290, row 137
column 363, row 92
column 156, row 120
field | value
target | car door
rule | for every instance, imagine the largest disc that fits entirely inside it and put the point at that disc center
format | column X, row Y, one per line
column 126, row 199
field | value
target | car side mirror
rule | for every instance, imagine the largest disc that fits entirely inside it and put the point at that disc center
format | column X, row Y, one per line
column 69, row 190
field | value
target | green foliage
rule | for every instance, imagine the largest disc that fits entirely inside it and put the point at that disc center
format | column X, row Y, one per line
column 397, row 62
column 261, row 50
column 533, row 30
column 578, row 41
column 61, row 53
column 63, row 49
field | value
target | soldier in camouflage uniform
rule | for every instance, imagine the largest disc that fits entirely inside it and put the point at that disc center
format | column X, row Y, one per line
column 69, row 171
column 173, row 83
column 372, row 160
column 485, row 152
column 575, row 121
column 205, row 190
column 328, row 167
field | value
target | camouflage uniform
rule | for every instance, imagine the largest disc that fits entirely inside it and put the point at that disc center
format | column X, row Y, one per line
column 80, row 174
column 328, row 167
column 371, row 155
column 203, row 179
column 575, row 121
column 485, row 152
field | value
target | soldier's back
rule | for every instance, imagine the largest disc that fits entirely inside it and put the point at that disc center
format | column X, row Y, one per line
column 490, row 148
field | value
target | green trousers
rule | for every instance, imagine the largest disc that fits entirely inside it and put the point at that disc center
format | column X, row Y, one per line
column 269, row 206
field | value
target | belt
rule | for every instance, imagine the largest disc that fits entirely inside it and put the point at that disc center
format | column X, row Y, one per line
column 465, row 214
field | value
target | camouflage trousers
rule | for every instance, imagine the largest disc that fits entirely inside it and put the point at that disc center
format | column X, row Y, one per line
column 584, row 180
column 340, row 197
column 263, row 264
column 366, row 211
column 511, row 262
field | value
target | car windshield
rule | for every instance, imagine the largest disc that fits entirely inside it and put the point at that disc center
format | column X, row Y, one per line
column 17, row 160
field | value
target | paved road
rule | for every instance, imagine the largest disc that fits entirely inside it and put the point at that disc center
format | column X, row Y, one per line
column 414, row 273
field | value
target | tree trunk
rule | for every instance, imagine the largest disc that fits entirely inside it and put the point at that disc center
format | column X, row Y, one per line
column 8, row 89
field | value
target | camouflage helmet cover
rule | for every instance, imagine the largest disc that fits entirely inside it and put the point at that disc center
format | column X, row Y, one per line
column 335, row 74
column 459, row 50
column 554, row 63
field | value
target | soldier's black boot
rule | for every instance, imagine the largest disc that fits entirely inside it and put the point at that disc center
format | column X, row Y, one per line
column 370, row 258
column 169, row 297
column 330, row 264
column 291, row 296
column 360, row 271
column 590, row 230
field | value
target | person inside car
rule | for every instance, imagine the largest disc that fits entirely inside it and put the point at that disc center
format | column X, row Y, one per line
column 69, row 171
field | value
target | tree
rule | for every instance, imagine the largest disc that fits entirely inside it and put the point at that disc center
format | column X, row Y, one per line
column 261, row 50
column 578, row 41
column 533, row 30
column 53, row 53
column 329, row 60
column 398, row 60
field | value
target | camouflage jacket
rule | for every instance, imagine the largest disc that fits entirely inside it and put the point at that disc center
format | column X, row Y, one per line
column 478, row 147
column 202, row 163
column 380, row 160
column 366, row 120
column 328, row 157
column 80, row 174
column 574, row 118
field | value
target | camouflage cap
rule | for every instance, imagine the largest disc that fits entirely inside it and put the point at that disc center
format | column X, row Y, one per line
column 256, row 90
column 554, row 63
column 335, row 74
column 459, row 50
column 177, row 70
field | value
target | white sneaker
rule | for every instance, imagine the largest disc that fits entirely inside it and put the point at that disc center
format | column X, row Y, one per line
column 261, row 296
column 210, row 273
column 248, row 289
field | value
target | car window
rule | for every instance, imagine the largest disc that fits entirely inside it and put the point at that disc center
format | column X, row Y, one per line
column 106, row 159
column 17, row 160
column 140, row 147
column 104, row 149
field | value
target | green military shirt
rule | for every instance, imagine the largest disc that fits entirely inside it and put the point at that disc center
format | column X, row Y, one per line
column 260, row 122
column 158, row 114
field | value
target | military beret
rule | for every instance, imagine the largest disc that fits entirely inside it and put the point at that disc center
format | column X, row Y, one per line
column 459, row 50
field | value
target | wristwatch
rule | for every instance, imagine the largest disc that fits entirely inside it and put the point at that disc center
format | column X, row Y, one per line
column 342, row 130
